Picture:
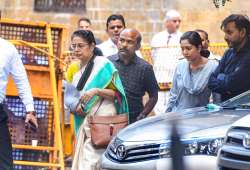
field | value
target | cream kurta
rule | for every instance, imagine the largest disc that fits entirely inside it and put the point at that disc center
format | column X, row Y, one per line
column 87, row 156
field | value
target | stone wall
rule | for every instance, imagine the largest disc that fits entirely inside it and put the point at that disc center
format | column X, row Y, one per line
column 145, row 15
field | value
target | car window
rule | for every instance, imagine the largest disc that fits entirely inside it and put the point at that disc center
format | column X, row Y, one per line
column 242, row 99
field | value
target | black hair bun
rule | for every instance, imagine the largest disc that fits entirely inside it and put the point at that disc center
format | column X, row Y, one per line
column 205, row 53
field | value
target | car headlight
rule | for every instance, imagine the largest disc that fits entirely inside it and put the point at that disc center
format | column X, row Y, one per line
column 197, row 146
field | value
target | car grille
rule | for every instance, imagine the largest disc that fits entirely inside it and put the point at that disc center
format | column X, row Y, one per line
column 235, row 136
column 235, row 156
column 135, row 153
column 234, row 149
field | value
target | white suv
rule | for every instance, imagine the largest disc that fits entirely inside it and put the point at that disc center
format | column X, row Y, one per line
column 235, row 153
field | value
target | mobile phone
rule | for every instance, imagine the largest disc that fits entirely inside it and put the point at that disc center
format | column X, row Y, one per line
column 32, row 126
column 82, row 105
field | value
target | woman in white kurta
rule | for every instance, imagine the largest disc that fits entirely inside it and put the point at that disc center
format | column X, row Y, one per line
column 102, row 94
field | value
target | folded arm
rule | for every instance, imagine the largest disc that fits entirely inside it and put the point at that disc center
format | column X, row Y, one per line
column 230, row 82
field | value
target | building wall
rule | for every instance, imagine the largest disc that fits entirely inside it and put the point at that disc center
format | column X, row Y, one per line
column 145, row 15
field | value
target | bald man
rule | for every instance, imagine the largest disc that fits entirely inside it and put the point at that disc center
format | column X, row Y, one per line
column 136, row 74
column 165, row 55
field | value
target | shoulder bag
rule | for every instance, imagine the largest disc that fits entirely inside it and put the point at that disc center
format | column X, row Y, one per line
column 102, row 128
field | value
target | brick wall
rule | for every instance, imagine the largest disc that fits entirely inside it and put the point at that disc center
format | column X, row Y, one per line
column 145, row 15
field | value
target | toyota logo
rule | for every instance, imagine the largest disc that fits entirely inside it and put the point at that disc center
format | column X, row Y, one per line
column 246, row 141
column 121, row 152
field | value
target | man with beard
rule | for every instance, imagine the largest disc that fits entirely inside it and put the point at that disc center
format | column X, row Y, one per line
column 231, row 76
column 136, row 74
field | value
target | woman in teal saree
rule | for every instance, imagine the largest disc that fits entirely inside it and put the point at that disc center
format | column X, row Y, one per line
column 102, row 94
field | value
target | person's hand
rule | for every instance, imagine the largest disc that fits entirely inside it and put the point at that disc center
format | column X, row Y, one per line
column 31, row 119
column 79, row 109
column 84, row 100
column 141, row 116
column 221, row 76
column 87, row 96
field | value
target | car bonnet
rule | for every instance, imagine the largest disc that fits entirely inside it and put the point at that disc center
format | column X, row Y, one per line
column 190, row 122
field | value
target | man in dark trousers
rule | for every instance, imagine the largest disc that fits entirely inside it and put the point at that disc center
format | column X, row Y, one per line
column 11, row 63
column 136, row 74
column 232, row 74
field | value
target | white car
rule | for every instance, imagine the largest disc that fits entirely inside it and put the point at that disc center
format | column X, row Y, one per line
column 235, row 153
column 145, row 145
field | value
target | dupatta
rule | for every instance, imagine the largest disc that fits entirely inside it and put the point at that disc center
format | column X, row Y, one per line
column 103, row 73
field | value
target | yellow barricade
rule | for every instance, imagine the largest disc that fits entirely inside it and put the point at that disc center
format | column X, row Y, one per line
column 40, row 46
column 217, row 49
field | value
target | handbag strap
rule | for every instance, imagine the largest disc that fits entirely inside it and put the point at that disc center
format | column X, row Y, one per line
column 85, row 75
column 98, row 106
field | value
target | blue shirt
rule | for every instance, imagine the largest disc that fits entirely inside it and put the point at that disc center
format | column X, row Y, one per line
column 231, row 77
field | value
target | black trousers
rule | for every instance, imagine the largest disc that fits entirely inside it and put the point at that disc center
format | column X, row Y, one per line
column 6, row 161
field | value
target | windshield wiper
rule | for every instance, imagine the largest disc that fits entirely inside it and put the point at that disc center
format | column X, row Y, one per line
column 244, row 106
column 229, row 107
column 239, row 106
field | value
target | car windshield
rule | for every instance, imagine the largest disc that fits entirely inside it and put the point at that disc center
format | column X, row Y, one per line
column 242, row 100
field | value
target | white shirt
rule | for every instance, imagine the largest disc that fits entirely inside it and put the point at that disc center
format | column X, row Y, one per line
column 11, row 63
column 160, row 39
column 109, row 48
column 165, row 54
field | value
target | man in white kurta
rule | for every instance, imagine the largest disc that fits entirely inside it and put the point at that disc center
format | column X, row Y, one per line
column 165, row 54
column 114, row 26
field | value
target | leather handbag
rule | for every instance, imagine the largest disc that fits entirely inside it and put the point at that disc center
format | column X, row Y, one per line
column 104, row 128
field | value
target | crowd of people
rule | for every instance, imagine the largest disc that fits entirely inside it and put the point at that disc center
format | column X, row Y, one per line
column 112, row 77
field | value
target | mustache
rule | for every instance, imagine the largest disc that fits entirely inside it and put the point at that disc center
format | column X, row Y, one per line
column 123, row 49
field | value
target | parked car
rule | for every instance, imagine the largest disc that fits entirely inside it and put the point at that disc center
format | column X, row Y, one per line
column 145, row 145
column 235, row 153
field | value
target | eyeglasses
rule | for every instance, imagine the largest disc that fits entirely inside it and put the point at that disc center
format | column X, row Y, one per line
column 79, row 45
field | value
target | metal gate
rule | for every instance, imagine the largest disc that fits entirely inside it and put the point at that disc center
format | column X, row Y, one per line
column 40, row 46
